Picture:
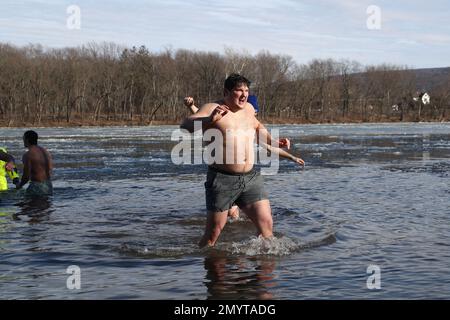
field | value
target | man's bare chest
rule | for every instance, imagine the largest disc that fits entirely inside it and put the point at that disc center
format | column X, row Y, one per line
column 234, row 123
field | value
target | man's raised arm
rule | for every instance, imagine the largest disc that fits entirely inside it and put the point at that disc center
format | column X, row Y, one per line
column 207, row 115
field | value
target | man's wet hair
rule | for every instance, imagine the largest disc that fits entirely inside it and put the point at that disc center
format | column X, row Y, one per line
column 31, row 136
column 234, row 80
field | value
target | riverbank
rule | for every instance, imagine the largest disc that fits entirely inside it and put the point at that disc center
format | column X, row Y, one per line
column 135, row 123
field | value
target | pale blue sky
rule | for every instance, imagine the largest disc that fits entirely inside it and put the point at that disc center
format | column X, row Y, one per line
column 413, row 32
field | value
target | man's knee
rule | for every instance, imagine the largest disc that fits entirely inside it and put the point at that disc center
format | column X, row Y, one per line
column 267, row 224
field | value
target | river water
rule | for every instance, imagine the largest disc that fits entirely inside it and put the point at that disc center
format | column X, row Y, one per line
column 371, row 197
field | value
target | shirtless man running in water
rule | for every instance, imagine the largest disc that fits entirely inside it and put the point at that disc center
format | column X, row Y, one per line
column 37, row 167
column 234, row 181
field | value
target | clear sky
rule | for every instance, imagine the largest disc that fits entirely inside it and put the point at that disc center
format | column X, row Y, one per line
column 408, row 32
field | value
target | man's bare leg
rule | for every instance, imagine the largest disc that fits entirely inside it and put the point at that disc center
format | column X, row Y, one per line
column 261, row 215
column 215, row 222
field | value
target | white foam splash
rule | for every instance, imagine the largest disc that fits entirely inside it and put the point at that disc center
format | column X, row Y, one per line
column 261, row 246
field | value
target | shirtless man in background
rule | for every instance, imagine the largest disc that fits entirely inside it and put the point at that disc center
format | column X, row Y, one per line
column 37, row 167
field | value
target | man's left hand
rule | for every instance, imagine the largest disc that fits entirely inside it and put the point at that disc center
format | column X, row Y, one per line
column 299, row 161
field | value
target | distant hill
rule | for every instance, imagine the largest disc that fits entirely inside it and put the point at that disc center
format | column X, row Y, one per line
column 427, row 79
column 430, row 78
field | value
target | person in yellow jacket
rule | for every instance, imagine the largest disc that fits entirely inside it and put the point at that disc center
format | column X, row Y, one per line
column 7, row 167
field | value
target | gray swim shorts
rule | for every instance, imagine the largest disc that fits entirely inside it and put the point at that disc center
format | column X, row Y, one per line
column 39, row 189
column 224, row 189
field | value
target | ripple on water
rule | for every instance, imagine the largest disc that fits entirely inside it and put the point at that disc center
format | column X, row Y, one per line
column 440, row 168
column 143, row 251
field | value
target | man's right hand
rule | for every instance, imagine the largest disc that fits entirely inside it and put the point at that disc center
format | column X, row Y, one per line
column 218, row 113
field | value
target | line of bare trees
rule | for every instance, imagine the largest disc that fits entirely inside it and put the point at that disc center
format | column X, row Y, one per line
column 109, row 84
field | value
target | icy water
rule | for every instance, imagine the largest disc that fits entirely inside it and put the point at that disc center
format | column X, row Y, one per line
column 130, row 219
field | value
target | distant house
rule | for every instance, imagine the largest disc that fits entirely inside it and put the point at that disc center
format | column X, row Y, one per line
column 407, row 105
column 422, row 97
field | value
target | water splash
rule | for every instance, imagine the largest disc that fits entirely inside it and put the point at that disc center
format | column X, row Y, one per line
column 275, row 246
column 260, row 246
